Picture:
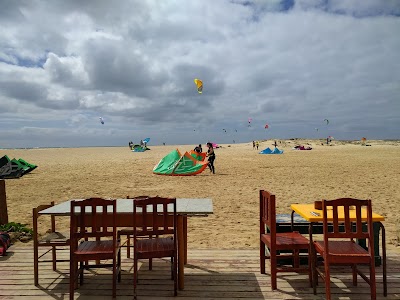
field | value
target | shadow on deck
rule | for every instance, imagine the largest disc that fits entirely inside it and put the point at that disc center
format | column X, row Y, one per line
column 209, row 274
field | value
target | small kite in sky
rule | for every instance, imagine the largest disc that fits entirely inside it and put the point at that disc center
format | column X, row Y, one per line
column 249, row 121
column 266, row 126
column 327, row 121
column 199, row 85
column 101, row 120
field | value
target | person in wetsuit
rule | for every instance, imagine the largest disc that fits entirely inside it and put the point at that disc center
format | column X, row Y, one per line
column 211, row 157
column 198, row 149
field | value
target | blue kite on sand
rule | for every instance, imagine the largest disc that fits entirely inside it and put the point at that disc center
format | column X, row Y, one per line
column 269, row 151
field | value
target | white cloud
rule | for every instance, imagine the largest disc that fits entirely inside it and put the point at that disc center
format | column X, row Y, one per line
column 289, row 63
column 68, row 71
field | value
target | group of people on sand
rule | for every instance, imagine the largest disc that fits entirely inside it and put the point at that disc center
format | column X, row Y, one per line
column 256, row 144
column 210, row 155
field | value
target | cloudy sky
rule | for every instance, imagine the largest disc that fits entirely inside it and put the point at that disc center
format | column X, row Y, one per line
column 287, row 63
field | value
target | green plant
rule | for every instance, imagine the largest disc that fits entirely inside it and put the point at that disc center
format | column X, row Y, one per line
column 15, row 227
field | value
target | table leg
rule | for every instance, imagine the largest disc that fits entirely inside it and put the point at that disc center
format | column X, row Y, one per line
column 185, row 237
column 181, row 252
column 363, row 243
column 313, row 258
column 384, row 258
column 292, row 221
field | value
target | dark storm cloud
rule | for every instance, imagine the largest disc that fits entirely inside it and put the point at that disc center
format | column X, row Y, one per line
column 121, row 69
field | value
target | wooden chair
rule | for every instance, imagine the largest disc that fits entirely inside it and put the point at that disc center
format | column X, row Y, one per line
column 95, row 219
column 345, row 251
column 154, row 236
column 128, row 232
column 279, row 243
column 51, row 241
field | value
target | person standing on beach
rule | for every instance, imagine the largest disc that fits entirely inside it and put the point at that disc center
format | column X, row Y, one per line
column 211, row 157
column 254, row 145
column 257, row 144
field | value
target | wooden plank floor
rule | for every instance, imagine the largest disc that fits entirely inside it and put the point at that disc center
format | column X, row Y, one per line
column 209, row 274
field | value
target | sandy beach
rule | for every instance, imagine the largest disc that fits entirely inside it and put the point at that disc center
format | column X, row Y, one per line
column 343, row 169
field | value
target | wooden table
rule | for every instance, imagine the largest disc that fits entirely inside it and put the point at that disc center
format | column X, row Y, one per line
column 312, row 215
column 308, row 212
column 185, row 207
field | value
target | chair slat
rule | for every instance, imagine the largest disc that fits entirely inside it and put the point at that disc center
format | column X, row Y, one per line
column 335, row 219
column 348, row 225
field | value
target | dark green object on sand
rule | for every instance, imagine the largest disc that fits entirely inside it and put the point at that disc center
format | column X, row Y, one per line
column 10, row 169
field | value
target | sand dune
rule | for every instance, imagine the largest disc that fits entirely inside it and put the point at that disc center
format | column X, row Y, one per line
column 345, row 169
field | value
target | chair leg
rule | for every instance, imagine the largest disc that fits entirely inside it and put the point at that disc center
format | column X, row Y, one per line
column 262, row 257
column 119, row 265
column 327, row 281
column 354, row 271
column 175, row 259
column 384, row 259
column 114, row 282
column 71, row 279
column 134, row 274
column 273, row 262
column 372, row 280
column 296, row 258
column 54, row 255
column 81, row 270
column 128, row 247
column 310, row 269
column 314, row 270
column 36, row 265
column 172, row 268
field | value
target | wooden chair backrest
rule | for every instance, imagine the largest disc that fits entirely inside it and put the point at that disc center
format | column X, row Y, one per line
column 155, row 216
column 92, row 219
column 267, row 213
column 349, row 229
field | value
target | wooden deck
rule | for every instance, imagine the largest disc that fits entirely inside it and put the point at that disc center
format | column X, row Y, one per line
column 209, row 274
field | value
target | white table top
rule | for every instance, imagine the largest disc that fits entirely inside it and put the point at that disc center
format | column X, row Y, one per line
column 185, row 206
